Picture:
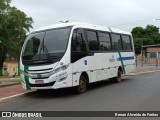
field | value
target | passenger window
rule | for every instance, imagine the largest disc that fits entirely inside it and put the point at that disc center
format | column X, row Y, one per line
column 104, row 41
column 78, row 44
column 116, row 42
column 93, row 41
column 126, row 41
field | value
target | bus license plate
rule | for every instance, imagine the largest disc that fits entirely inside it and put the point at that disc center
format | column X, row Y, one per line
column 39, row 82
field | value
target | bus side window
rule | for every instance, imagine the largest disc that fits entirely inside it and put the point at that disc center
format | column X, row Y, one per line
column 78, row 44
column 116, row 42
column 92, row 41
column 127, row 45
column 104, row 41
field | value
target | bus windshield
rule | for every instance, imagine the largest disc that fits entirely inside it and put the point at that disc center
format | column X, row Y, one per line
column 45, row 47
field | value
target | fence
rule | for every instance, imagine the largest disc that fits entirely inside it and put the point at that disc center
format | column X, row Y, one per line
column 143, row 61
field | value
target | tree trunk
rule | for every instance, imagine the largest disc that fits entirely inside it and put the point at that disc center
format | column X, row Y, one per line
column 1, row 68
column 18, row 66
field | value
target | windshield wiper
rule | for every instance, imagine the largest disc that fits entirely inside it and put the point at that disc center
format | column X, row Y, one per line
column 45, row 50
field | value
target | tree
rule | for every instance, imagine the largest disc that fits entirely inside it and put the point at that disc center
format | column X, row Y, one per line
column 13, row 27
column 145, row 36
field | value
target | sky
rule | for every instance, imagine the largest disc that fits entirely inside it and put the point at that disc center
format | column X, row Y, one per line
column 112, row 13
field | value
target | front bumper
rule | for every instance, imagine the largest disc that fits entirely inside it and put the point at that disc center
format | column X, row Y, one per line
column 55, row 81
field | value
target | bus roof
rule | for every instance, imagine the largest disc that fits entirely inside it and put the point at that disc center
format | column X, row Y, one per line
column 83, row 25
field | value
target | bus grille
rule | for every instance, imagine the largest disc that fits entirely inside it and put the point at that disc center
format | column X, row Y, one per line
column 42, row 85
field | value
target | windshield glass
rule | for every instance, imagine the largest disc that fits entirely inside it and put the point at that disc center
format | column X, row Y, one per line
column 45, row 47
column 56, row 40
column 33, row 44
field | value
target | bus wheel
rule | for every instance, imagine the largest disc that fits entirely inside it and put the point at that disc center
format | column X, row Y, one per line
column 118, row 79
column 119, row 76
column 81, row 88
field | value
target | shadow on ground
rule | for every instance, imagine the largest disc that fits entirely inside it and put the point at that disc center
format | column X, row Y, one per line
column 68, row 92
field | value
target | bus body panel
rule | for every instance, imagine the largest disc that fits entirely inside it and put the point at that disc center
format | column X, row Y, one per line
column 102, row 66
column 98, row 65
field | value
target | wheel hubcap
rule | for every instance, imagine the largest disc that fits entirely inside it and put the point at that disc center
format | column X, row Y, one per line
column 82, row 84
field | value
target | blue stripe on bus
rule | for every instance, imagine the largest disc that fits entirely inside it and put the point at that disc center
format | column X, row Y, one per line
column 125, row 58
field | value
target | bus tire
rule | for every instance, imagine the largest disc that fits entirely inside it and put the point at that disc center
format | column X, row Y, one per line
column 118, row 78
column 82, row 87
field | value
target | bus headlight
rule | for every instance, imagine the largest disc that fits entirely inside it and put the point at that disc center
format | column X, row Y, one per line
column 64, row 67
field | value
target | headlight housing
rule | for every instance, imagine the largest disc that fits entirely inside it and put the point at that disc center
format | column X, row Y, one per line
column 64, row 67
column 61, row 68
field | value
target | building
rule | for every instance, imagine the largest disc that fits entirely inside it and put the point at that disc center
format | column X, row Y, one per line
column 151, row 53
column 10, row 68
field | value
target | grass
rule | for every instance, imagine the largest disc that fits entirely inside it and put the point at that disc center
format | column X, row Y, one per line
column 11, row 80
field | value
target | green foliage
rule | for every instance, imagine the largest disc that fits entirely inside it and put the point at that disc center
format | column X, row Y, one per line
column 1, row 72
column 15, row 80
column 145, row 36
column 13, row 27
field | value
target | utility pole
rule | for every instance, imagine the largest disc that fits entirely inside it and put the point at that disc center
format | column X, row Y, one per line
column 142, row 52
